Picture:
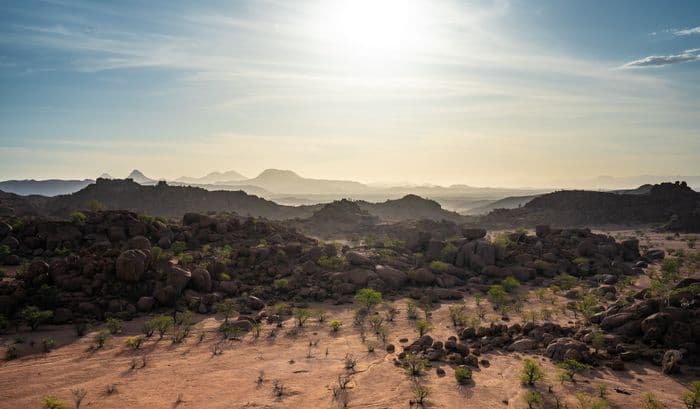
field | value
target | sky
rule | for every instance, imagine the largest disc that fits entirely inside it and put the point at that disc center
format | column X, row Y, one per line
column 485, row 93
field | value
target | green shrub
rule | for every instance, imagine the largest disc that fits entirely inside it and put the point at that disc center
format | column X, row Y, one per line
column 368, row 298
column 420, row 393
column 78, row 217
column 114, row 325
column 34, row 317
column 532, row 399
column 692, row 398
column 463, row 375
column 162, row 324
column 11, row 352
column 502, row 240
column 100, row 338
column 280, row 284
column 301, row 315
column 335, row 325
column 571, row 367
column 335, row 263
column 497, row 294
column 94, row 205
column 423, row 327
column 178, row 247
column 448, row 252
column 48, row 344
column 134, row 342
column 457, row 314
column 531, row 373
column 412, row 310
column 224, row 277
column 49, row 402
column 510, row 284
column 439, row 266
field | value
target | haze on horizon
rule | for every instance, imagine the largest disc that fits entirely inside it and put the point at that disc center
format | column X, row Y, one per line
column 499, row 93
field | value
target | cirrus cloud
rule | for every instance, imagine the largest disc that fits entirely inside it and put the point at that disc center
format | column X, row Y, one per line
column 661, row 60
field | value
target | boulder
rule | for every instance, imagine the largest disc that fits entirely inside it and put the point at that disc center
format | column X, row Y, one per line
column 145, row 304
column 655, row 254
column 567, row 348
column 473, row 233
column 166, row 295
column 421, row 276
column 392, row 278
column 357, row 259
column 201, row 280
column 670, row 363
column 178, row 278
column 542, row 230
column 523, row 345
column 615, row 320
column 139, row 243
column 131, row 265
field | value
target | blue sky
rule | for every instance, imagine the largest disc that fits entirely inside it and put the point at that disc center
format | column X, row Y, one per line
column 480, row 92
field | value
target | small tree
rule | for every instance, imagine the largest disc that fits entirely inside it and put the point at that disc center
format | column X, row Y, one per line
column 597, row 341
column 532, row 399
column 587, row 306
column 368, row 298
column 78, row 396
column 34, row 317
column 227, row 308
column 414, row 364
column 423, row 327
column 497, row 294
column 531, row 373
column 411, row 310
column 301, row 315
column 78, row 218
column 457, row 314
column 335, row 325
column 162, row 324
column 692, row 398
column 571, row 367
column 114, row 325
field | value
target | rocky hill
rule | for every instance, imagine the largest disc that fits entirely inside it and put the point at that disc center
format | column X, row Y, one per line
column 671, row 204
column 410, row 207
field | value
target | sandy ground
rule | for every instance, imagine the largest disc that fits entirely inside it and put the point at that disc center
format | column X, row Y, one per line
column 308, row 373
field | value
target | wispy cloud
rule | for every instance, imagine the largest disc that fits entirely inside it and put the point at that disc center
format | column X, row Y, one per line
column 661, row 60
column 686, row 31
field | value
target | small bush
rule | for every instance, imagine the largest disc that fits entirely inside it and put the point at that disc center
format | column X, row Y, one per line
column 48, row 344
column 335, row 325
column 335, row 263
column 226, row 307
column 301, row 315
column 439, row 266
column 280, row 284
column 412, row 310
column 421, row 393
column 497, row 294
column 571, row 367
column 510, row 284
column 463, row 375
column 49, row 402
column 178, row 247
column 114, row 325
column 162, row 324
column 414, row 364
column 692, row 398
column 224, row 277
column 100, row 339
column 532, row 399
column 565, row 281
column 11, row 353
column 4, row 251
column 34, row 317
column 134, row 342
column 78, row 218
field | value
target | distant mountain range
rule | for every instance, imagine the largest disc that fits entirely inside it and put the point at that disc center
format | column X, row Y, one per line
column 288, row 188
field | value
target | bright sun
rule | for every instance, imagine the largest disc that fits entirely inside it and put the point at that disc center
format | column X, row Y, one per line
column 374, row 28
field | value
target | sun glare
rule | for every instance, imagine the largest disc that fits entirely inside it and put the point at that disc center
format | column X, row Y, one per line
column 375, row 29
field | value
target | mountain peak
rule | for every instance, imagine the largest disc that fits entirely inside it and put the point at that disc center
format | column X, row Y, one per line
column 278, row 173
column 138, row 177
column 106, row 176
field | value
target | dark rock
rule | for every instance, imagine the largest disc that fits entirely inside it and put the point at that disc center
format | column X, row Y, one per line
column 131, row 265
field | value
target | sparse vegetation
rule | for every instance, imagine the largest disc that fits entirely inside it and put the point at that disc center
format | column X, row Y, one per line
column 414, row 364
column 510, row 284
column 650, row 401
column 34, row 317
column 420, row 394
column 570, row 368
column 457, row 314
column 134, row 342
column 78, row 396
column 78, row 218
column 412, row 310
column 532, row 399
column 368, row 298
column 50, row 402
column 335, row 325
column 301, row 315
column 332, row 263
column 114, row 325
column 439, row 266
column 692, row 398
